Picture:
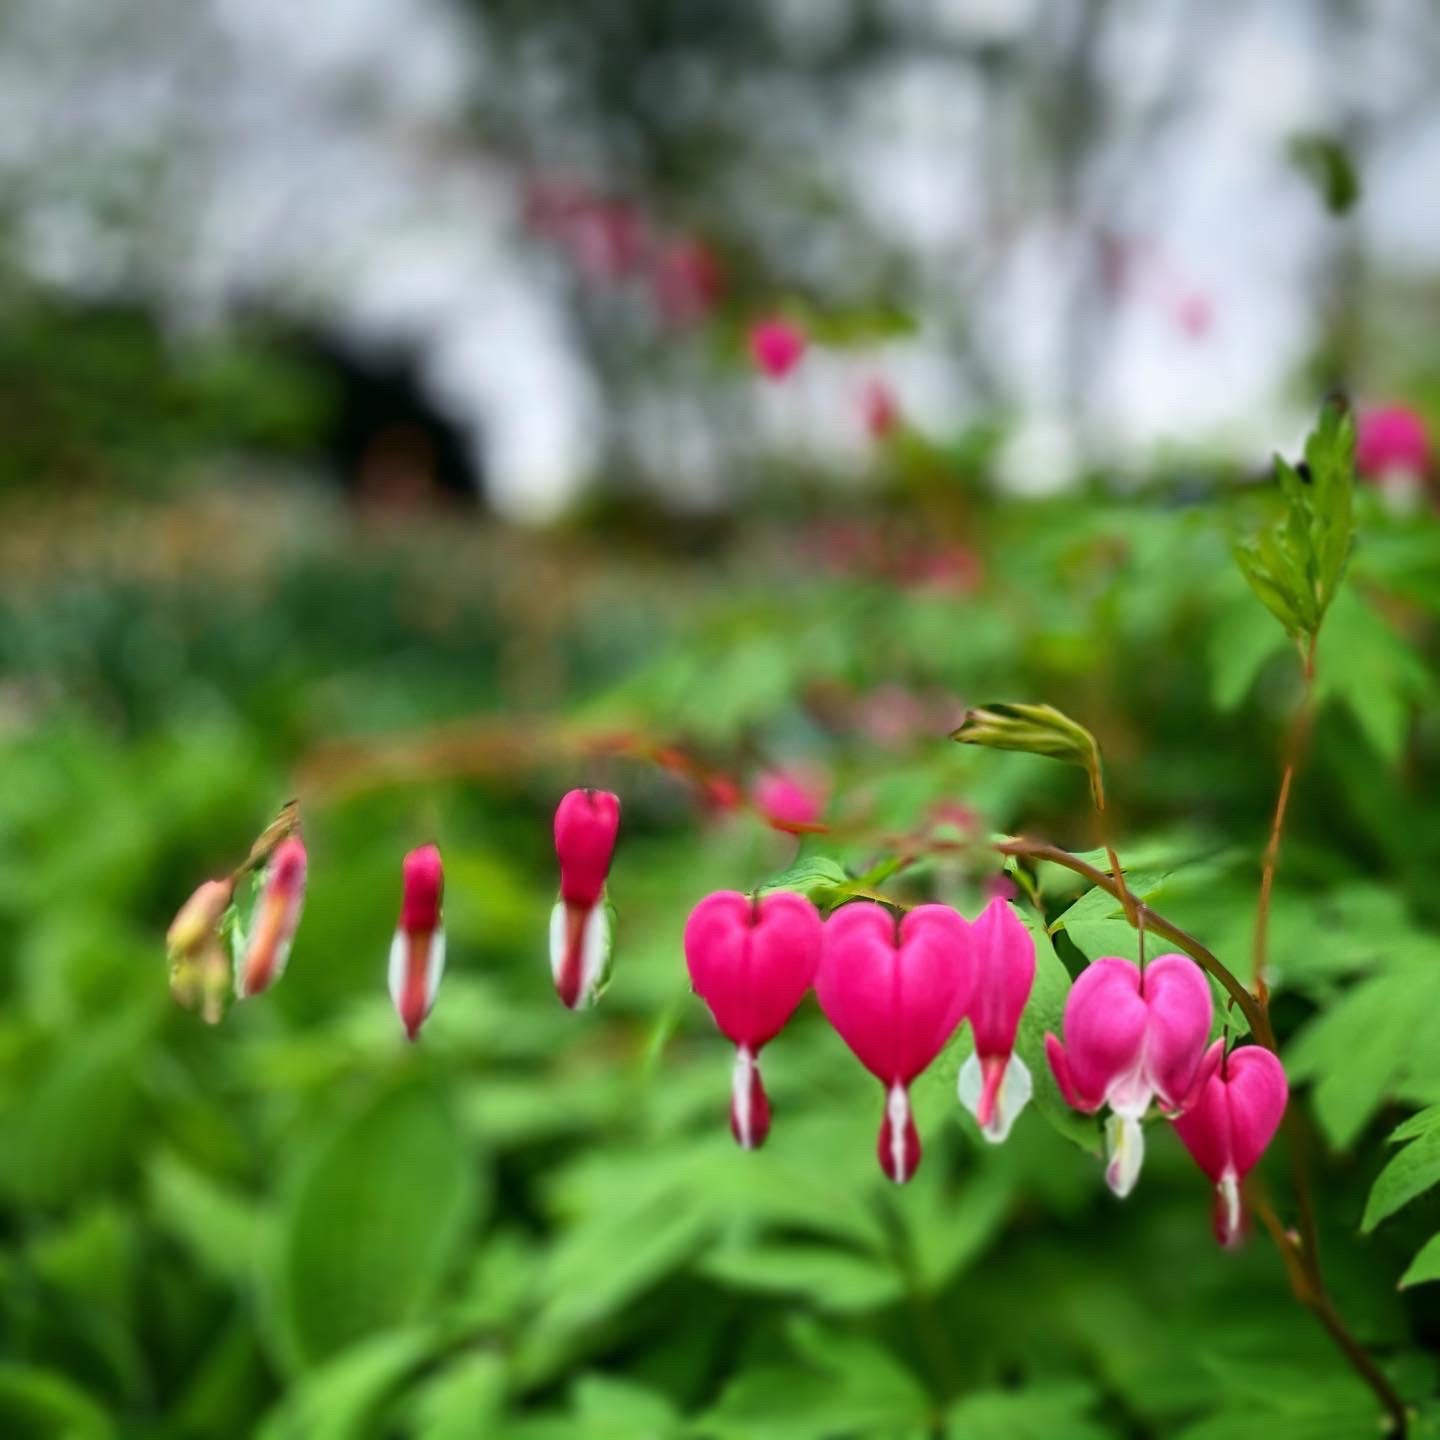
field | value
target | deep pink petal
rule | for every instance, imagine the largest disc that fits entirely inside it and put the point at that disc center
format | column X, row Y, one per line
column 1177, row 996
column 1004, row 972
column 586, row 824
column 752, row 961
column 1105, row 1025
column 1258, row 1092
column 1060, row 1069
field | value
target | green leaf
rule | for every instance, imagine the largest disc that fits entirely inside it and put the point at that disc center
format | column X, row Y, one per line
column 818, row 878
column 826, row 1275
column 372, row 1224
column 605, row 1406
column 342, row 1399
column 216, row 1224
column 1411, row 1171
column 1425, row 1267
column 464, row 1399
column 1039, row 1411
column 38, row 1404
column 1359, row 1050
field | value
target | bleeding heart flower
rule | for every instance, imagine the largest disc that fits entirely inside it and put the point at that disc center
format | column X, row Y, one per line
column 417, row 953
column 277, row 916
column 199, row 964
column 1130, row 1038
column 895, row 989
column 790, row 799
column 776, row 346
column 586, row 824
column 751, row 959
column 1230, row 1125
column 995, row 1083
column 1391, row 438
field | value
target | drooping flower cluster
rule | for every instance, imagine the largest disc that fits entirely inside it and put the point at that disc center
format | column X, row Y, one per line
column 894, row 986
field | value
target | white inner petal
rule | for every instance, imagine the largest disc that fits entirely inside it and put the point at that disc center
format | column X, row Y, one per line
column 594, row 950
column 1013, row 1096
column 741, row 1090
column 1125, row 1145
column 1229, row 1192
column 397, row 968
column 557, row 940
column 437, row 969
column 897, row 1107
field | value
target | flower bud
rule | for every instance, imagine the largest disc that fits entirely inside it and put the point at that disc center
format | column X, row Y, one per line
column 276, row 918
column 198, row 919
column 751, row 959
column 995, row 1083
column 895, row 989
column 776, row 346
column 790, row 799
column 586, row 824
column 417, row 953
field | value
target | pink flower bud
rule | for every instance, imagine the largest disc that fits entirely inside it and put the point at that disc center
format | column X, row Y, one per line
column 895, row 989
column 751, row 960
column 1230, row 1125
column 198, row 919
column 776, row 346
column 790, row 799
column 881, row 410
column 417, row 953
column 994, row 1082
column 1131, row 1038
column 586, row 824
column 277, row 916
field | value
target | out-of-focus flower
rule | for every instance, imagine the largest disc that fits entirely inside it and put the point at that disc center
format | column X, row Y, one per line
column 881, row 409
column 687, row 280
column 1230, row 1125
column 790, row 799
column 895, row 990
column 199, row 965
column 276, row 918
column 776, row 346
column 1194, row 314
column 1130, row 1038
column 751, row 959
column 586, row 824
column 1392, row 440
column 417, row 953
column 994, row 1083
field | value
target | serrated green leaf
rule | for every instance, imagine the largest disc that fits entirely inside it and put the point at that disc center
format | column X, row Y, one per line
column 815, row 877
column 1410, row 1173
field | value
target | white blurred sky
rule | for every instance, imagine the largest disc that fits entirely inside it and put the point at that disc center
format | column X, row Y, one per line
column 324, row 171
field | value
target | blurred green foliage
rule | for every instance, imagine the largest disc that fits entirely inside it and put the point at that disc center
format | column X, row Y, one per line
column 535, row 1223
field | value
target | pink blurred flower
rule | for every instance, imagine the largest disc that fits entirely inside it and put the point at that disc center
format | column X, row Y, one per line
column 881, row 408
column 1230, row 1125
column 776, row 346
column 586, row 824
column 1194, row 314
column 1130, row 1038
column 790, row 799
column 751, row 959
column 995, row 1083
column 417, row 953
column 687, row 280
column 277, row 916
column 895, row 990
column 1392, row 439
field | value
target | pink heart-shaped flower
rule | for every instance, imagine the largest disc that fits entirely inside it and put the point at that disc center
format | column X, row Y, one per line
column 895, row 990
column 751, row 959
